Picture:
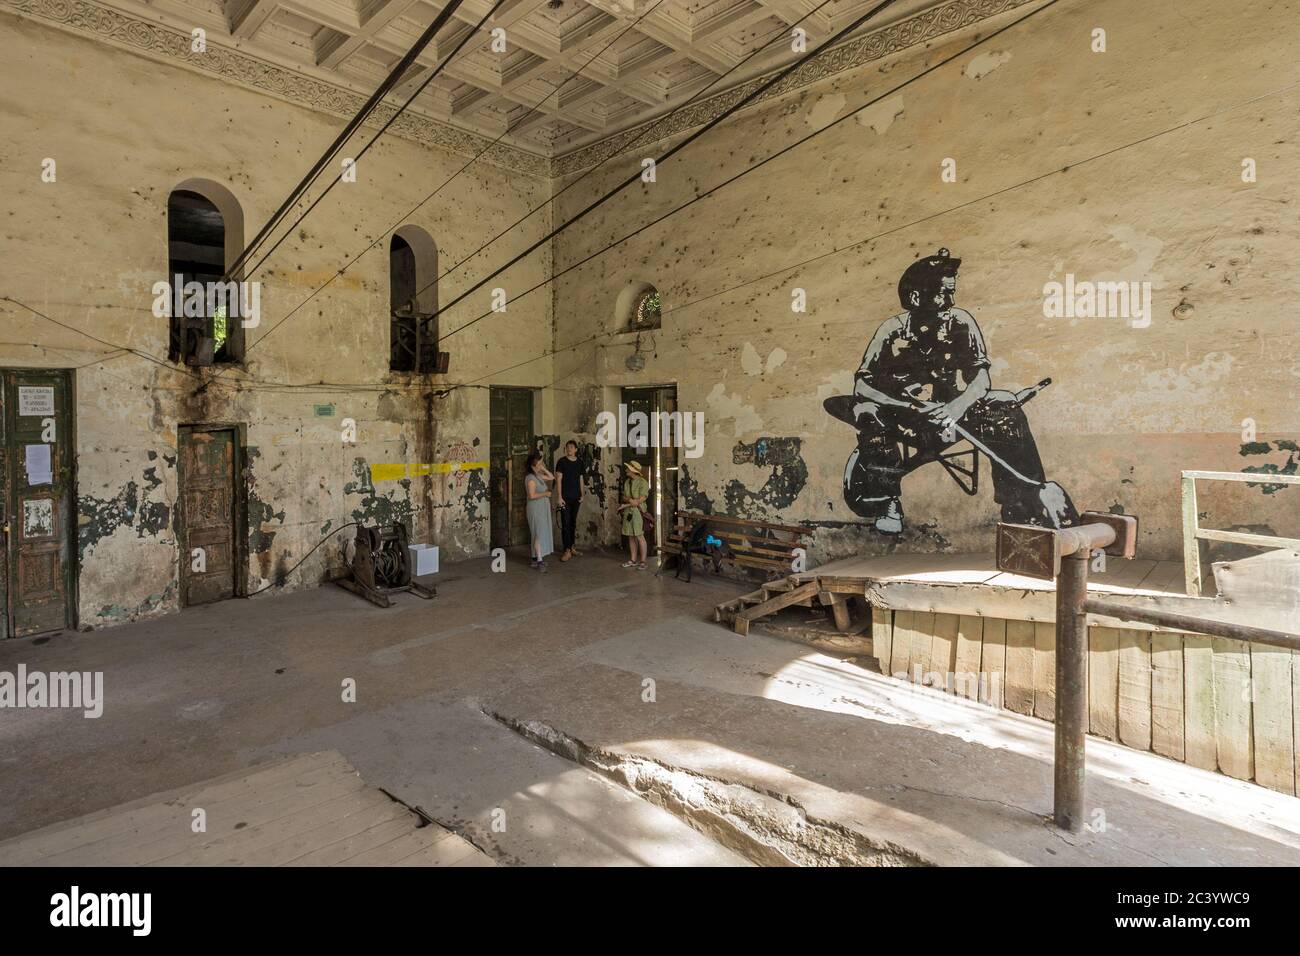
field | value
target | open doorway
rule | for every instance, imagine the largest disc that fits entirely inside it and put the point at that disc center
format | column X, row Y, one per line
column 659, row 464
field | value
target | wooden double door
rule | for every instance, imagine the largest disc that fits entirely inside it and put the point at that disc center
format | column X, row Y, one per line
column 37, row 483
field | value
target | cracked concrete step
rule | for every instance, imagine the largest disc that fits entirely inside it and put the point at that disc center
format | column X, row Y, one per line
column 520, row 803
column 768, row 828
column 947, row 780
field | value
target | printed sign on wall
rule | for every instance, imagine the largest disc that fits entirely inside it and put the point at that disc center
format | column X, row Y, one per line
column 35, row 400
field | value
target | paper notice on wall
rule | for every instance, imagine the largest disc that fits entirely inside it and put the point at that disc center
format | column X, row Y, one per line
column 35, row 400
column 38, row 464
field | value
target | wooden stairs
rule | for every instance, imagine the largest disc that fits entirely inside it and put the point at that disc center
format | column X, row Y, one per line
column 773, row 596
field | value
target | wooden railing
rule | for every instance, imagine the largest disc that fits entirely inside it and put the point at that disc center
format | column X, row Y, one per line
column 1194, row 534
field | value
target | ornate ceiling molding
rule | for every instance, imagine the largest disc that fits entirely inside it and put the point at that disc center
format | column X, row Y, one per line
column 88, row 18
column 850, row 55
column 159, row 41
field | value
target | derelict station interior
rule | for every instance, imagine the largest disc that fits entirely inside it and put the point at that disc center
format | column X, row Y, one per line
column 669, row 433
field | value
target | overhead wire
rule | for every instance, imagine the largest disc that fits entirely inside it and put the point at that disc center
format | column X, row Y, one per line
column 802, row 263
column 738, row 176
column 743, row 101
column 653, row 126
column 431, row 74
column 389, row 81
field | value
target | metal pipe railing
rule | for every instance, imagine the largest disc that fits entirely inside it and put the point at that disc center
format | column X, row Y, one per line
column 1189, row 622
column 1062, row 555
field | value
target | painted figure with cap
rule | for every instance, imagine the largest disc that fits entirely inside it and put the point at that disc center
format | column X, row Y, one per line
column 922, row 386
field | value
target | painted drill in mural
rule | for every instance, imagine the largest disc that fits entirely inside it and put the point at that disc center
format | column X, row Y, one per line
column 923, row 394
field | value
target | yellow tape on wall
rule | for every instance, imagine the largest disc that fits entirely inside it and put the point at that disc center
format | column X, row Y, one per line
column 398, row 471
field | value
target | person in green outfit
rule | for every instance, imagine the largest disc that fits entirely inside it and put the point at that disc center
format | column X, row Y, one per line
column 635, row 491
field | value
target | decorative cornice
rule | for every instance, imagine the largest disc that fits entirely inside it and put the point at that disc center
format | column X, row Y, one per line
column 156, row 40
column 849, row 55
column 91, row 18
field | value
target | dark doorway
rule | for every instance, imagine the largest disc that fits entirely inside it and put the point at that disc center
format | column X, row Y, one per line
column 210, row 514
column 36, row 580
column 659, row 464
column 511, row 442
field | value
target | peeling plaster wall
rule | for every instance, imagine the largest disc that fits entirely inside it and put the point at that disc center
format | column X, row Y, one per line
column 86, row 249
column 1128, row 407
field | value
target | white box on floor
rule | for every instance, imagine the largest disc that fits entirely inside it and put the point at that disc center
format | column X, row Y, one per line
column 424, row 558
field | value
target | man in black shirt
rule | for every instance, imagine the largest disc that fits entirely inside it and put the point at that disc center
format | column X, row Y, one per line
column 569, row 470
column 925, row 371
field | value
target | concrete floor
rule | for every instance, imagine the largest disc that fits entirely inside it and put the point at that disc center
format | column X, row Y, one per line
column 514, row 710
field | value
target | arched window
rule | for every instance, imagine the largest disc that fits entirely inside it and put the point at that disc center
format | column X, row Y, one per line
column 205, row 234
column 413, row 302
column 638, row 307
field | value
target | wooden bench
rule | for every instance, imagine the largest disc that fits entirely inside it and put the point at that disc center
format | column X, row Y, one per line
column 747, row 545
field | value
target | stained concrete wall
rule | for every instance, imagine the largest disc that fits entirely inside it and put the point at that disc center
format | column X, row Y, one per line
column 86, row 249
column 1023, row 117
column 1028, row 118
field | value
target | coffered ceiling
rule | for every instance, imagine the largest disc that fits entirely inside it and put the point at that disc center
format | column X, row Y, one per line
column 573, row 71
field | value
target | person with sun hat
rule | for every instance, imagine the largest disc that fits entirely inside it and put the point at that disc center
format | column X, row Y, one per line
column 635, row 491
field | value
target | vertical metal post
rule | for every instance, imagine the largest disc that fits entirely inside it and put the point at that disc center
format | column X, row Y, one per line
column 1071, row 690
column 1191, row 539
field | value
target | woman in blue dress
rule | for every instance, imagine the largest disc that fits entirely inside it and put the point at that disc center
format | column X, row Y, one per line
column 539, row 510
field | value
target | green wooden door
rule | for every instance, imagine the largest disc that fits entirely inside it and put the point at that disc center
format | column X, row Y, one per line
column 37, row 499
column 510, row 443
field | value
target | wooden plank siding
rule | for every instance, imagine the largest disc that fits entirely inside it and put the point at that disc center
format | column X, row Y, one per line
column 1214, row 703
column 968, row 676
column 1135, row 689
column 1103, row 682
column 1019, row 688
column 1167, row 695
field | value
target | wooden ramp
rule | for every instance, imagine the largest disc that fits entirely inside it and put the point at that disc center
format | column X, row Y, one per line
column 777, row 595
column 312, row 810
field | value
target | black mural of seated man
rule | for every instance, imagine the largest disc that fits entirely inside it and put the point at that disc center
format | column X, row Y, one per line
column 924, row 376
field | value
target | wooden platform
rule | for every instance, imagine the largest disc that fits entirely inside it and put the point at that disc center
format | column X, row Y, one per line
column 957, row 624
column 312, row 810
column 1139, row 576
column 948, row 583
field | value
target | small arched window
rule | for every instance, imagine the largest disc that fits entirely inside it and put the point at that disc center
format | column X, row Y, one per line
column 413, row 302
column 639, row 307
column 205, row 234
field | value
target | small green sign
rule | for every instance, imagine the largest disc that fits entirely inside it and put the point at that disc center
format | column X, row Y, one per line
column 324, row 411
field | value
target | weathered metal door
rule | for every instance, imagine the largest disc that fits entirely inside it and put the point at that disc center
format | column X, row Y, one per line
column 37, row 478
column 511, row 442
column 206, row 526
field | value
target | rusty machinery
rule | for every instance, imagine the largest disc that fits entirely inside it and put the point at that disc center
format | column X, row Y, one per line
column 381, row 565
